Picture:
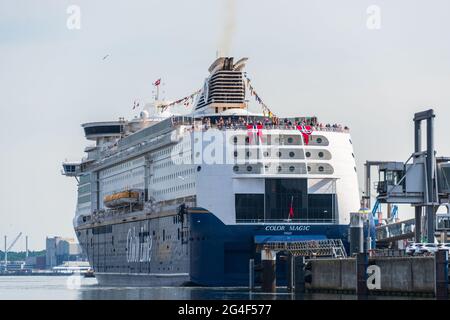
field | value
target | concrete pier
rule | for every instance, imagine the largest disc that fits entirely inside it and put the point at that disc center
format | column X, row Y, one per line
column 409, row 275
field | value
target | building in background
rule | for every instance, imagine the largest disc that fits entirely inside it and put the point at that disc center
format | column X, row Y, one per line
column 59, row 250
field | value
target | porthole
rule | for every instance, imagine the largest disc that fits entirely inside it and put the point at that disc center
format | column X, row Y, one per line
column 199, row 168
column 290, row 140
column 321, row 169
column 236, row 168
column 291, row 168
column 291, row 154
column 309, row 169
column 267, row 167
column 235, row 140
column 266, row 153
column 247, row 140
column 279, row 154
column 279, row 168
column 319, row 140
column 235, row 154
column 320, row 154
column 248, row 154
column 308, row 154
column 249, row 168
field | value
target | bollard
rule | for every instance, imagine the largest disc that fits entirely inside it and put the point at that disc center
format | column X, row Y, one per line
column 251, row 274
column 362, row 261
column 441, row 274
column 268, row 261
column 290, row 272
column 299, row 275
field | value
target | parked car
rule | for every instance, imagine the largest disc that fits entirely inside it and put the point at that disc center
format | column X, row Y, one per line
column 428, row 248
column 412, row 248
column 444, row 246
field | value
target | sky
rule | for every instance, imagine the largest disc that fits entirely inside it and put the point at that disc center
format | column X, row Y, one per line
column 338, row 60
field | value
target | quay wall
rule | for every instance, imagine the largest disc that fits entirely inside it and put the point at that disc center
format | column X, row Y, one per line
column 398, row 274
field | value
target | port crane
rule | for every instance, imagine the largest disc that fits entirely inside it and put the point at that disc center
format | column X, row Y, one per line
column 7, row 249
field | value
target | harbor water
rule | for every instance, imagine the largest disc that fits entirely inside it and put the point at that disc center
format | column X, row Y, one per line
column 80, row 288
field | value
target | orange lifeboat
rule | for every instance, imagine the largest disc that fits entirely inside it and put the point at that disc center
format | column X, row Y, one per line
column 121, row 199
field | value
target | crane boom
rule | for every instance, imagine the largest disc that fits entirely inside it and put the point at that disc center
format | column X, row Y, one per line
column 14, row 241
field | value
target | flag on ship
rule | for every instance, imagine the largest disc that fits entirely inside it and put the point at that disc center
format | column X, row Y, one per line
column 291, row 209
column 306, row 132
column 157, row 82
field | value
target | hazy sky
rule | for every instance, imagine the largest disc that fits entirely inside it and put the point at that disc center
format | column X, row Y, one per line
column 306, row 58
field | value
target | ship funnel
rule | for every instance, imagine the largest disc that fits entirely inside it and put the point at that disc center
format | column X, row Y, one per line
column 224, row 89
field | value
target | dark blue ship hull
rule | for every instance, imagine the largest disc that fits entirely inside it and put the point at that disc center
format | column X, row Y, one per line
column 220, row 253
column 197, row 249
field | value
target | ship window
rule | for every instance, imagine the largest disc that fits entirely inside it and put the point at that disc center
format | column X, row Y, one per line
column 319, row 140
column 291, row 168
column 236, row 168
column 249, row 153
column 249, row 168
column 279, row 154
column 247, row 140
column 291, row 154
column 308, row 154
column 320, row 154
column 249, row 206
column 266, row 153
column 279, row 168
column 309, row 168
column 321, row 169
column 235, row 140
column 280, row 193
column 199, row 168
column 290, row 140
column 320, row 207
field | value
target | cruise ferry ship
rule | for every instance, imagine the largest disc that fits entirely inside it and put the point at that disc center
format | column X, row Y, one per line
column 171, row 200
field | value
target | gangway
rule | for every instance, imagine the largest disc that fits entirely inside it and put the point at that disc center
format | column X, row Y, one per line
column 333, row 248
column 396, row 231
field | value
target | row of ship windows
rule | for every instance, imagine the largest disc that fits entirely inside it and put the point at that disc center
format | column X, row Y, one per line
column 165, row 164
column 168, row 151
column 163, row 236
column 279, row 154
column 322, row 169
column 180, row 174
column 281, row 140
column 175, row 189
column 122, row 177
column 121, row 166
column 84, row 189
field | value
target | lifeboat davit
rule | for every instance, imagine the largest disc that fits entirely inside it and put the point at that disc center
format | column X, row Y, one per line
column 120, row 199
